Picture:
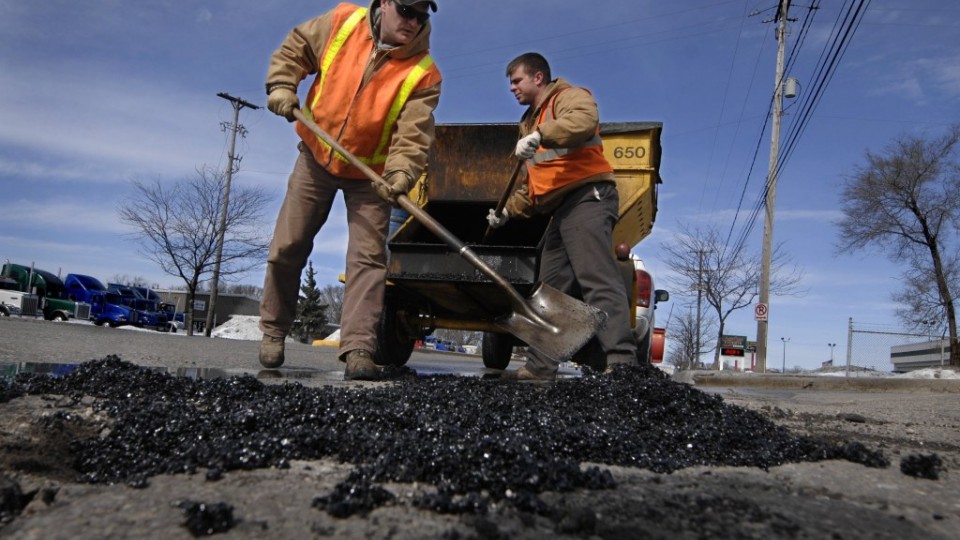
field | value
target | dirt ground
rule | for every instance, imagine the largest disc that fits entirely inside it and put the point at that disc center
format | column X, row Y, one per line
column 835, row 499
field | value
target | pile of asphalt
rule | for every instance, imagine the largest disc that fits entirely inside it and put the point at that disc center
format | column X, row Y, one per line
column 478, row 441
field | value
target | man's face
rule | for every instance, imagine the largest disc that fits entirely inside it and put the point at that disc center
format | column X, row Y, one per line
column 400, row 24
column 525, row 87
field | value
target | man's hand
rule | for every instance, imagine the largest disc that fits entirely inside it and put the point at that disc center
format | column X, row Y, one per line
column 399, row 184
column 527, row 146
column 282, row 101
column 497, row 221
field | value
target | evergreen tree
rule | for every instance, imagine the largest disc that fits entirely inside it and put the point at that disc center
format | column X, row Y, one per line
column 311, row 316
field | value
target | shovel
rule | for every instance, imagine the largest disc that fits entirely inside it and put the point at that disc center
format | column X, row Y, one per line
column 503, row 198
column 552, row 322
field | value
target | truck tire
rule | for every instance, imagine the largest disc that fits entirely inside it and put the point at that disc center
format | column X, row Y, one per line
column 4, row 312
column 59, row 317
column 394, row 344
column 496, row 350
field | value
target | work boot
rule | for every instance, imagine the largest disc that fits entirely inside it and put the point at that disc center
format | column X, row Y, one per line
column 271, row 352
column 523, row 374
column 360, row 367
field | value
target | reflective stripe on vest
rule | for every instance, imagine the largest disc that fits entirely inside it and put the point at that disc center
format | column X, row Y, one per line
column 413, row 78
column 551, row 154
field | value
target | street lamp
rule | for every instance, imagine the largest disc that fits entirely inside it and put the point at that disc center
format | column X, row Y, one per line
column 831, row 345
column 783, row 369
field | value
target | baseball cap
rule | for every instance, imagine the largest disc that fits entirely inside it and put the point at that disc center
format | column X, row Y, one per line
column 433, row 3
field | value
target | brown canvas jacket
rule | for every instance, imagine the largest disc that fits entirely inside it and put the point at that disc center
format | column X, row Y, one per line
column 575, row 121
column 300, row 54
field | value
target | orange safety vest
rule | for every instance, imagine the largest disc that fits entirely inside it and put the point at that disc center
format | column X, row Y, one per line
column 553, row 168
column 362, row 117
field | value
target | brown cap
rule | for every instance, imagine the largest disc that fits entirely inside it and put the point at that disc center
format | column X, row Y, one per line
column 433, row 3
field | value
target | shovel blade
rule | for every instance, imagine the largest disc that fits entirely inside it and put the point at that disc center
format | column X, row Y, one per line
column 554, row 323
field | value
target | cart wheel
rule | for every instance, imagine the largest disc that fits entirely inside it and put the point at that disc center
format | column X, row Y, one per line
column 496, row 350
column 394, row 345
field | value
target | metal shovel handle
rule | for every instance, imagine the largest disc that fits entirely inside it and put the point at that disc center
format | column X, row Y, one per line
column 431, row 224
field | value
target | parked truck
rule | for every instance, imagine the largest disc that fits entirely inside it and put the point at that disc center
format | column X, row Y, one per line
column 174, row 318
column 11, row 299
column 149, row 314
column 105, row 307
column 52, row 296
column 430, row 285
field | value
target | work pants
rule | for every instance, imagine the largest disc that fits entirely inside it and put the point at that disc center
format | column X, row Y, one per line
column 310, row 194
column 577, row 259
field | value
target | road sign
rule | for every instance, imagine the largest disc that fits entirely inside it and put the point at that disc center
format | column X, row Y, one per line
column 760, row 312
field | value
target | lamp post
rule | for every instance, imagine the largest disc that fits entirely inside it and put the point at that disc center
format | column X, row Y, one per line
column 831, row 345
column 783, row 368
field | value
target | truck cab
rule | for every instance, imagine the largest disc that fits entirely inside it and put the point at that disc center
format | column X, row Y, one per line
column 105, row 307
column 148, row 312
column 50, row 290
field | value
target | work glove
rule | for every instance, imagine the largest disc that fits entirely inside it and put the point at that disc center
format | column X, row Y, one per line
column 527, row 146
column 399, row 184
column 282, row 101
column 497, row 221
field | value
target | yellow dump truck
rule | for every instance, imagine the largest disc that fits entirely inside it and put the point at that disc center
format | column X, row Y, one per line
column 430, row 286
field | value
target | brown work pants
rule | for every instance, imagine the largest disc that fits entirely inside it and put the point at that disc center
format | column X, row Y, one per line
column 310, row 195
column 577, row 259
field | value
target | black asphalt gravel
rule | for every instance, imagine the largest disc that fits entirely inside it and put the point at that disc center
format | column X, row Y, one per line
column 479, row 441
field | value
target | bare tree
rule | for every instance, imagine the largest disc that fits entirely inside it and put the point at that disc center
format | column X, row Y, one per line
column 727, row 279
column 135, row 281
column 332, row 296
column 905, row 201
column 683, row 338
column 177, row 226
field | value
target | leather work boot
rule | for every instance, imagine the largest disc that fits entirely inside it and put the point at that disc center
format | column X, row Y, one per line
column 360, row 367
column 523, row 374
column 271, row 352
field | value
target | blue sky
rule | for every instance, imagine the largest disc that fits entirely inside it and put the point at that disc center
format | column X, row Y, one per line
column 99, row 92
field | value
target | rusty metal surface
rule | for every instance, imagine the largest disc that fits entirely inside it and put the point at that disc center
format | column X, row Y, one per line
column 471, row 162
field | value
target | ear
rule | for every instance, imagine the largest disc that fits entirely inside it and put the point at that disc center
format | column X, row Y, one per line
column 538, row 78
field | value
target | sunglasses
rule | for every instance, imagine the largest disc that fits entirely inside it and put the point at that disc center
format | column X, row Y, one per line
column 408, row 13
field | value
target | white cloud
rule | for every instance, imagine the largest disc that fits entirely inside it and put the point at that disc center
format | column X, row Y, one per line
column 81, row 217
column 204, row 15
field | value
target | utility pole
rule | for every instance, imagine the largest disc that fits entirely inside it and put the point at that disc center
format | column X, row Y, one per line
column 783, row 368
column 215, row 282
column 696, row 345
column 771, row 191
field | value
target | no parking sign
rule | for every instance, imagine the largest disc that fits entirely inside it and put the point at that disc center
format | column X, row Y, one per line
column 760, row 312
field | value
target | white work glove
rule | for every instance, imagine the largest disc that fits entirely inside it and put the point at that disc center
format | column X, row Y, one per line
column 527, row 146
column 282, row 101
column 496, row 221
column 400, row 184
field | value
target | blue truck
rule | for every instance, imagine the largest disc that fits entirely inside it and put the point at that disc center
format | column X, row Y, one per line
column 149, row 314
column 175, row 319
column 105, row 307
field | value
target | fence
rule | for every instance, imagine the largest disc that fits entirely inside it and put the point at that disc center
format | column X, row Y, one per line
column 869, row 345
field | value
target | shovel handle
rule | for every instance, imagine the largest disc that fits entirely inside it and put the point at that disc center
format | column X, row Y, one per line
column 431, row 224
column 503, row 198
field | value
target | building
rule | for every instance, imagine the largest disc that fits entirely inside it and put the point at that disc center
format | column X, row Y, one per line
column 929, row 354
column 227, row 305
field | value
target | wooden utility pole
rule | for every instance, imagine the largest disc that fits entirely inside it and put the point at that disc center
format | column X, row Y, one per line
column 771, row 191
column 221, row 231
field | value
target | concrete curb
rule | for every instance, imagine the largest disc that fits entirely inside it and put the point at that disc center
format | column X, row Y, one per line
column 802, row 382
